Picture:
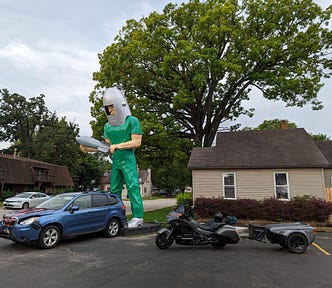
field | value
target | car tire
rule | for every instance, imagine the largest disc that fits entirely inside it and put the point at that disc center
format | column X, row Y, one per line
column 112, row 228
column 25, row 205
column 49, row 237
column 297, row 243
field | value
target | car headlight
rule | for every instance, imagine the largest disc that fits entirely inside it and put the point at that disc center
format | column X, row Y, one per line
column 29, row 221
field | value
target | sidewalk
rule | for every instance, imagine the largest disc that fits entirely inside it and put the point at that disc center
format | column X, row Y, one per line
column 150, row 205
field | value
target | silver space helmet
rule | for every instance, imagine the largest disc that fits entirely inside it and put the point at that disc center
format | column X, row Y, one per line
column 113, row 96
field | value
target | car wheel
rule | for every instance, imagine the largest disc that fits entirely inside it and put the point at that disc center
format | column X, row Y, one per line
column 297, row 243
column 49, row 237
column 25, row 205
column 112, row 228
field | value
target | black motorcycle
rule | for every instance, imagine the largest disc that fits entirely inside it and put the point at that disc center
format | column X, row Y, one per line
column 184, row 230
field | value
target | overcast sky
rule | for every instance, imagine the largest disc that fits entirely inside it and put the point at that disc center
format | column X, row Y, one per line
column 51, row 47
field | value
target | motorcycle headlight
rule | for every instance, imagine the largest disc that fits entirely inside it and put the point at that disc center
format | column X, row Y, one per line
column 29, row 221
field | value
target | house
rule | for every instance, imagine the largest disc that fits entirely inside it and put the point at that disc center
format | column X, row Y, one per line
column 20, row 174
column 144, row 180
column 262, row 164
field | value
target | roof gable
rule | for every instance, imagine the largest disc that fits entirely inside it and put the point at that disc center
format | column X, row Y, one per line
column 283, row 148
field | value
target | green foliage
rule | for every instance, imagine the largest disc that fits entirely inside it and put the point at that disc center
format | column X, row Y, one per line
column 277, row 124
column 185, row 199
column 319, row 137
column 298, row 209
column 6, row 194
column 39, row 134
column 21, row 119
column 189, row 68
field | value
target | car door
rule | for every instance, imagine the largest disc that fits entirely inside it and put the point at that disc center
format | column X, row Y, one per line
column 40, row 198
column 79, row 221
column 100, row 210
column 33, row 200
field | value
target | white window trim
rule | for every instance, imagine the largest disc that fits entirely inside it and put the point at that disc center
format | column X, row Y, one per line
column 275, row 186
column 223, row 185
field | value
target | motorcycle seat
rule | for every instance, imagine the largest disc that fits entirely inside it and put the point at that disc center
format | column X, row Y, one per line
column 210, row 226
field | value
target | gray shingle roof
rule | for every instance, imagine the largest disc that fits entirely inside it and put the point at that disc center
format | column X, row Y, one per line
column 326, row 148
column 283, row 148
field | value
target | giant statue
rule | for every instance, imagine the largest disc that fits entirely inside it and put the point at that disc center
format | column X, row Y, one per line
column 123, row 133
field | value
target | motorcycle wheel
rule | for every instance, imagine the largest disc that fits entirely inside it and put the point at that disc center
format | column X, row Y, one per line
column 162, row 242
column 218, row 245
column 297, row 243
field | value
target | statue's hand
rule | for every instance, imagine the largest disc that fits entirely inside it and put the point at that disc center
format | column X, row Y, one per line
column 84, row 149
column 112, row 149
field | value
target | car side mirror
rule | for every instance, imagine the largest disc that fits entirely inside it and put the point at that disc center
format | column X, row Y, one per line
column 74, row 208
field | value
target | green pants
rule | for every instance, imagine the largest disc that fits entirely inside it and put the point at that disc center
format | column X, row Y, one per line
column 124, row 170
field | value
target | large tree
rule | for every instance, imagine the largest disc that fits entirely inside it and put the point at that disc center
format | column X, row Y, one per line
column 193, row 65
column 21, row 119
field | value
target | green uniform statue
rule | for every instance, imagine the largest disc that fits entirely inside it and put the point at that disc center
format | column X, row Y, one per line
column 124, row 133
column 124, row 168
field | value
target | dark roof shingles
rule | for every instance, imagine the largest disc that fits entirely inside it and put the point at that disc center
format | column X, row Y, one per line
column 19, row 170
column 291, row 148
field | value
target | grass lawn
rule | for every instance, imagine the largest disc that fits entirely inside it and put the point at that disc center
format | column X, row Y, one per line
column 155, row 215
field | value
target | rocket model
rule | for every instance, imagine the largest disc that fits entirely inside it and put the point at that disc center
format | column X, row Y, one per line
column 90, row 142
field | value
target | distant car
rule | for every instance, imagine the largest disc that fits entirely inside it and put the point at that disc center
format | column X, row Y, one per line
column 65, row 215
column 25, row 200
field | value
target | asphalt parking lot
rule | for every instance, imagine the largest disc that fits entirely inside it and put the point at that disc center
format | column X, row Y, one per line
column 95, row 261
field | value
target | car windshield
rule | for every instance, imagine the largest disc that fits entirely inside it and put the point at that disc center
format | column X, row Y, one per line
column 56, row 202
column 23, row 195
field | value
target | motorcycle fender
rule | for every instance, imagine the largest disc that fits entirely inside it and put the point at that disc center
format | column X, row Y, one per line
column 167, row 231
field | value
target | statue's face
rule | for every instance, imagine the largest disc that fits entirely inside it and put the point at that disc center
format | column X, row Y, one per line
column 111, row 109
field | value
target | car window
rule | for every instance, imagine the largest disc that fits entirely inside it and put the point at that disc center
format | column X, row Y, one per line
column 83, row 202
column 113, row 200
column 23, row 195
column 99, row 200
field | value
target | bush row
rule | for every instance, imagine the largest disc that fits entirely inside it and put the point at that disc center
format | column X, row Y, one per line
column 301, row 209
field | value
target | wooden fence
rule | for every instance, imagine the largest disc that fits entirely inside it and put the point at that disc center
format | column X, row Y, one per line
column 328, row 194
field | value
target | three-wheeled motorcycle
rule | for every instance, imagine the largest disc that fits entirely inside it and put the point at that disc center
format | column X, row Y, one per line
column 184, row 230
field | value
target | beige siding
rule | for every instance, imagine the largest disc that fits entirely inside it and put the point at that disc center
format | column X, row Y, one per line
column 255, row 183
column 207, row 183
column 306, row 182
column 258, row 183
column 328, row 178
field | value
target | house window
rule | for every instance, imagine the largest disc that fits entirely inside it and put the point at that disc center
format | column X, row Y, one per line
column 281, row 185
column 229, row 186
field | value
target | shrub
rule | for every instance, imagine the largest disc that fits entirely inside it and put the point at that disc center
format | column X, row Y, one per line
column 6, row 194
column 185, row 199
column 299, row 209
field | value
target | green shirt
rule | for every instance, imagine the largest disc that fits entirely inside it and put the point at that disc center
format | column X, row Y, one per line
column 122, row 133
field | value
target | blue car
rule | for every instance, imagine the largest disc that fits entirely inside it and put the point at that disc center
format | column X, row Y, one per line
column 65, row 215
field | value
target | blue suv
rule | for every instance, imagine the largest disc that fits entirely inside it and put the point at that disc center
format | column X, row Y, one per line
column 65, row 215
